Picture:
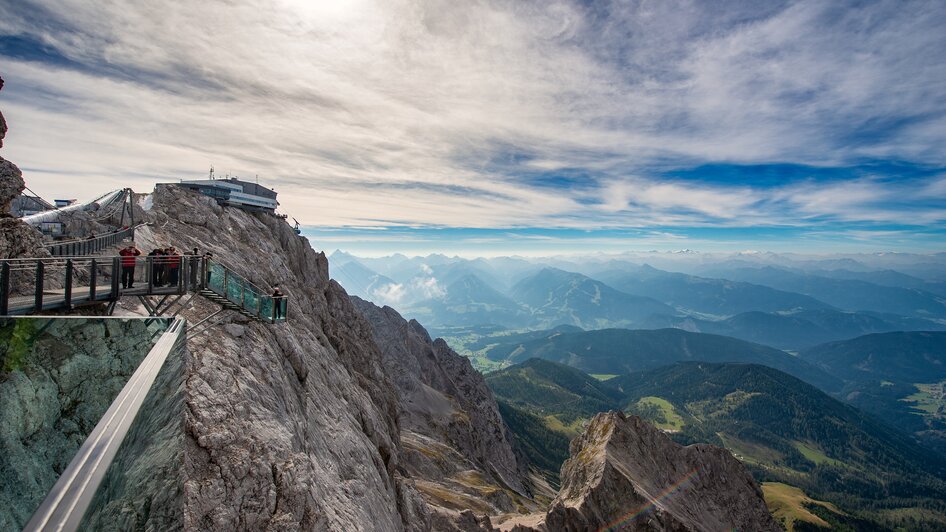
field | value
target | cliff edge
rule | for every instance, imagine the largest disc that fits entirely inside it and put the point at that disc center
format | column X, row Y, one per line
column 456, row 445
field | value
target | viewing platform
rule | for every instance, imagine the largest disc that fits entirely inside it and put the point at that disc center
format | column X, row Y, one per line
column 36, row 285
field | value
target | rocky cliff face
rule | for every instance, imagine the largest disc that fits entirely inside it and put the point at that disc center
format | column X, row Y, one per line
column 623, row 473
column 17, row 239
column 456, row 445
column 291, row 426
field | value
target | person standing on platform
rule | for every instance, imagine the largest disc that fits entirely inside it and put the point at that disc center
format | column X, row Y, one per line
column 128, row 265
column 278, row 300
column 174, row 266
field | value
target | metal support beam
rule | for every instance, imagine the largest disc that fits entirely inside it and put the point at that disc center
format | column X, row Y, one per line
column 4, row 288
column 144, row 301
column 93, row 277
column 38, row 299
column 68, row 284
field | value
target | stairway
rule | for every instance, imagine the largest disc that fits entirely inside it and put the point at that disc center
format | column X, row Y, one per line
column 227, row 304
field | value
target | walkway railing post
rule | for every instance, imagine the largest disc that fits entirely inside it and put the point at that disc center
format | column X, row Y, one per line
column 149, row 272
column 116, row 273
column 38, row 294
column 4, row 288
column 68, row 285
column 93, row 277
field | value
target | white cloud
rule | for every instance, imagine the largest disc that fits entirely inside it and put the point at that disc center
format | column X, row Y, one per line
column 428, row 288
column 389, row 294
column 369, row 113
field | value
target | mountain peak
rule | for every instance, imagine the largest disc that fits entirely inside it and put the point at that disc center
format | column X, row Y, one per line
column 623, row 463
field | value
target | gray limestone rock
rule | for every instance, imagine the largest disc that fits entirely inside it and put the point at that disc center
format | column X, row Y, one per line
column 11, row 184
column 457, row 444
column 624, row 472
column 291, row 426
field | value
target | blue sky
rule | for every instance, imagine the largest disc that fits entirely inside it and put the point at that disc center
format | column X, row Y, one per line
column 490, row 127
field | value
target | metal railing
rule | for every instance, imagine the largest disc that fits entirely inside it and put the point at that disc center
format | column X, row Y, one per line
column 31, row 286
column 89, row 246
column 130, row 465
column 247, row 296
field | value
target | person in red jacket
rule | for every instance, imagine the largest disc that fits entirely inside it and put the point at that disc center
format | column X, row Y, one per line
column 128, row 265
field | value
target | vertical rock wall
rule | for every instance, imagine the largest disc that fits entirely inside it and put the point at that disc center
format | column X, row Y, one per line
column 456, row 444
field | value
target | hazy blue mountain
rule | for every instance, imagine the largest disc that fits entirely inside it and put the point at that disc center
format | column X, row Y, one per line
column 845, row 294
column 448, row 274
column 704, row 295
column 620, row 351
column 795, row 330
column 363, row 282
column 557, row 297
column 897, row 356
column 886, row 278
column 469, row 301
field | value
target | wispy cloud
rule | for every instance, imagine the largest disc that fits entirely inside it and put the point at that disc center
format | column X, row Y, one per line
column 488, row 114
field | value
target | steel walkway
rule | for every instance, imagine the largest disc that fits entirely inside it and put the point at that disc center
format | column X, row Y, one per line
column 38, row 285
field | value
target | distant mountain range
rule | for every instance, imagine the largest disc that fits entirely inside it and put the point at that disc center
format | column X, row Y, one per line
column 795, row 330
column 710, row 296
column 781, row 307
column 470, row 301
column 559, row 297
column 620, row 351
column 848, row 294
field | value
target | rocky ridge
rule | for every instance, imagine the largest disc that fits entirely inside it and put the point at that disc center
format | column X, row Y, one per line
column 625, row 473
column 457, row 446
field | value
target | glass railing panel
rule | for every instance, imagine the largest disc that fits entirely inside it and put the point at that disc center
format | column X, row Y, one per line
column 235, row 290
column 58, row 376
column 215, row 277
column 143, row 487
column 251, row 301
column 266, row 308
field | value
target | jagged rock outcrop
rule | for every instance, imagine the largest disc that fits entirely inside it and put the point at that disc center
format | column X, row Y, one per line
column 17, row 239
column 291, row 426
column 624, row 473
column 456, row 444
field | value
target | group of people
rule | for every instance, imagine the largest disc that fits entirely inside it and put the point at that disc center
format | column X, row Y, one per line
column 166, row 268
column 165, row 265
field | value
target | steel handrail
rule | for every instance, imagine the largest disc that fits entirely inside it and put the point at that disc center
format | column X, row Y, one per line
column 106, row 235
column 67, row 502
